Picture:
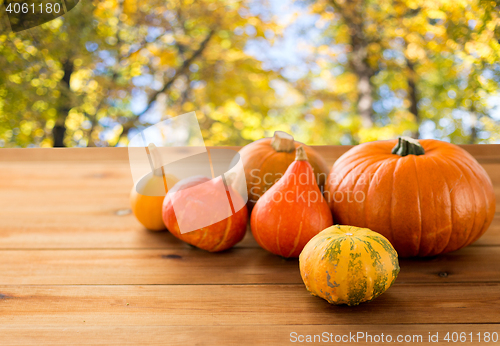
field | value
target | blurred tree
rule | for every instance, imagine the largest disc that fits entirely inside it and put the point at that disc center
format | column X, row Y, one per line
column 111, row 66
column 411, row 62
column 381, row 69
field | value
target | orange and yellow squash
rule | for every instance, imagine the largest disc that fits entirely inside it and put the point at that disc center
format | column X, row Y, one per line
column 292, row 211
column 266, row 160
column 348, row 265
column 198, row 203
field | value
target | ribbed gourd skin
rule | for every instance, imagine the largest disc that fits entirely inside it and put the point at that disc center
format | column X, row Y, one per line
column 348, row 265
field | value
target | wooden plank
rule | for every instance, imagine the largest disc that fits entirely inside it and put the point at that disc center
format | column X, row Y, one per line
column 237, row 266
column 64, row 154
column 482, row 153
column 143, row 267
column 87, row 334
column 72, row 205
column 492, row 235
column 71, row 154
column 193, row 305
column 85, row 205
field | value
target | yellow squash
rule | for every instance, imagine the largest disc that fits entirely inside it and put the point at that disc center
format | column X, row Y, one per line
column 145, row 205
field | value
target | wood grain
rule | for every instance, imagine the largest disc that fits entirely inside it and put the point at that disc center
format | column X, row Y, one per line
column 86, row 334
column 77, row 268
column 235, row 266
column 482, row 153
column 183, row 305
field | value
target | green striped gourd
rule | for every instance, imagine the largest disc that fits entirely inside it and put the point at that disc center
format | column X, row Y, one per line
column 348, row 265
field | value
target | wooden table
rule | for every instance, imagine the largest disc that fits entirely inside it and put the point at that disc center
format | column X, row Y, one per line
column 77, row 268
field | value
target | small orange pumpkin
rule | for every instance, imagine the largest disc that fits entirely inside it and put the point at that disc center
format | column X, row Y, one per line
column 266, row 160
column 199, row 203
column 292, row 211
column 427, row 197
column 145, row 205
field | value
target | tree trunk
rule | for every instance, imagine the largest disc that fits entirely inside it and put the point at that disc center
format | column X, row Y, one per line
column 358, row 59
column 59, row 130
column 473, row 131
column 473, row 124
column 413, row 96
column 365, row 98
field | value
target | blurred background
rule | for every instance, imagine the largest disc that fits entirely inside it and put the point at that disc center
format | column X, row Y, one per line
column 327, row 71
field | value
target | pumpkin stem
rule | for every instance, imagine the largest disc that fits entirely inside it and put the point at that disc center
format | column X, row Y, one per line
column 282, row 141
column 154, row 160
column 300, row 154
column 408, row 146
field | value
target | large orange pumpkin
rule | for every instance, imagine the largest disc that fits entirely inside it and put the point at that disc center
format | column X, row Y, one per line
column 427, row 197
column 291, row 212
column 266, row 160
column 196, row 196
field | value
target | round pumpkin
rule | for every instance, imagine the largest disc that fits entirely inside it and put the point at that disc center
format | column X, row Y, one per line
column 427, row 197
column 348, row 265
column 266, row 160
column 195, row 197
column 291, row 212
column 145, row 203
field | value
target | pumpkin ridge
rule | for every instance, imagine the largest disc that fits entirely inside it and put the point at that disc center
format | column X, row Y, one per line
column 366, row 190
column 262, row 162
column 471, row 233
column 440, row 250
column 485, row 179
column 355, row 164
column 404, row 233
column 469, row 227
column 297, row 238
column 256, row 233
column 362, row 170
column 357, row 152
column 419, row 205
column 226, row 231
column 379, row 286
column 429, row 227
column 358, row 287
column 389, row 167
column 453, row 229
column 353, row 161
column 277, row 234
column 386, row 245
column 203, row 237
column 486, row 222
column 392, row 199
column 329, row 186
column 182, row 216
